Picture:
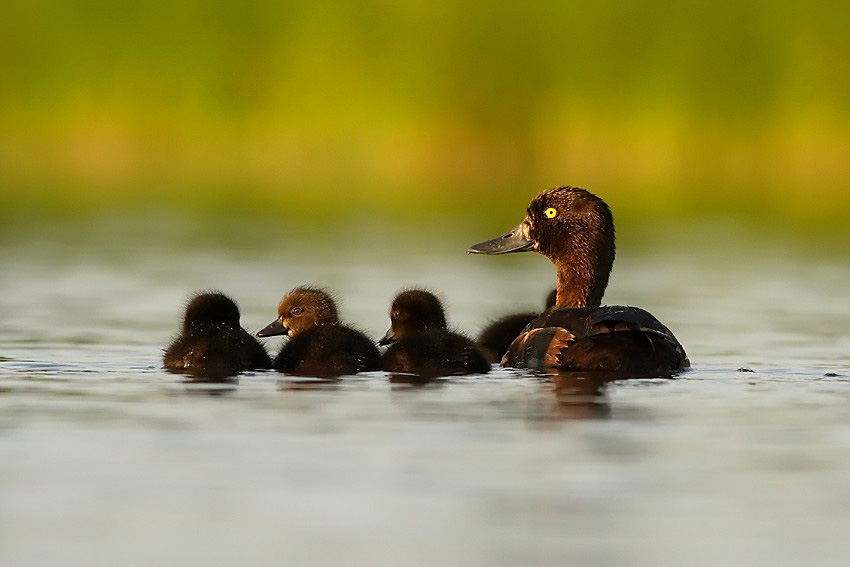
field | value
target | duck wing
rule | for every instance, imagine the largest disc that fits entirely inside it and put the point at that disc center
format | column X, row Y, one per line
column 611, row 338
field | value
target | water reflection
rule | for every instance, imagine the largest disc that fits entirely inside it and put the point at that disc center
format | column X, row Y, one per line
column 209, row 383
column 582, row 395
column 288, row 382
column 401, row 379
column 208, row 374
column 576, row 395
column 195, row 386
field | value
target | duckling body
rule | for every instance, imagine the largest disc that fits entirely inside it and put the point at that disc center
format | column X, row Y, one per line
column 212, row 343
column 328, row 351
column 575, row 230
column 496, row 337
column 435, row 352
column 421, row 343
column 319, row 344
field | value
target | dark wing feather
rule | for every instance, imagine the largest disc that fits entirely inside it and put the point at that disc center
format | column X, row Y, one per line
column 612, row 338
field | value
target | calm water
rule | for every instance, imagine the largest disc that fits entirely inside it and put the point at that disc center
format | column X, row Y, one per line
column 106, row 459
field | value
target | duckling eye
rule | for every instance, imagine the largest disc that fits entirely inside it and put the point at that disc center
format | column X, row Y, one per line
column 296, row 311
column 551, row 212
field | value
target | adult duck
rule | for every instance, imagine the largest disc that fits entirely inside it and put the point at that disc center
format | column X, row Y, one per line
column 575, row 230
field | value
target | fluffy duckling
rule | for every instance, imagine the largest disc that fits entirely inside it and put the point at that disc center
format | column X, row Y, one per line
column 496, row 337
column 318, row 344
column 421, row 343
column 212, row 343
column 575, row 229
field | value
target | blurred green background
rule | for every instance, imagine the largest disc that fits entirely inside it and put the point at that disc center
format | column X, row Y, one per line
column 311, row 111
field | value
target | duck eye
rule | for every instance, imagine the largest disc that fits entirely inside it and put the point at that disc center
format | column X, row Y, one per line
column 551, row 212
column 296, row 311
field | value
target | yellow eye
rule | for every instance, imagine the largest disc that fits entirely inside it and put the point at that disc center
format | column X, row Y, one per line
column 551, row 212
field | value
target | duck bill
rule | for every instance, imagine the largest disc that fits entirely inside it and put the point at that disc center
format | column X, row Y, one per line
column 388, row 338
column 514, row 240
column 276, row 327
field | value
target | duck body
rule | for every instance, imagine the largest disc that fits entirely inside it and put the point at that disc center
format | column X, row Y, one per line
column 626, row 340
column 212, row 343
column 496, row 337
column 575, row 230
column 421, row 344
column 328, row 351
column 319, row 345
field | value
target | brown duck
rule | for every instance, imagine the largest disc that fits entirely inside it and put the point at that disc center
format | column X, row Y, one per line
column 575, row 230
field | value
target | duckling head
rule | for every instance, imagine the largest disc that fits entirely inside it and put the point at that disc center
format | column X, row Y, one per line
column 414, row 311
column 301, row 309
column 210, row 309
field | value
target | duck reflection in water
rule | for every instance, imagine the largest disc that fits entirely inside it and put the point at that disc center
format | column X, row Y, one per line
column 580, row 395
column 304, row 383
column 404, row 381
column 210, row 386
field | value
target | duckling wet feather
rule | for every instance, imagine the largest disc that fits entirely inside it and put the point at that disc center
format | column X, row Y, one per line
column 212, row 343
column 422, row 345
column 319, row 345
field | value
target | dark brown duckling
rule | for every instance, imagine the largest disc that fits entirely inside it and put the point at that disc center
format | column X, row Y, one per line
column 318, row 344
column 575, row 230
column 212, row 343
column 422, row 345
column 496, row 337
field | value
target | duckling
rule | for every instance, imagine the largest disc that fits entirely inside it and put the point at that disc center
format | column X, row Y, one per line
column 422, row 344
column 496, row 337
column 575, row 229
column 318, row 344
column 212, row 343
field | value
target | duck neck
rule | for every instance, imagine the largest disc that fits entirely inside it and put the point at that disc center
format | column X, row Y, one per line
column 583, row 275
column 576, row 290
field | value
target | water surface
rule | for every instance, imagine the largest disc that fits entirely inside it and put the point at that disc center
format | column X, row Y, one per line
column 107, row 459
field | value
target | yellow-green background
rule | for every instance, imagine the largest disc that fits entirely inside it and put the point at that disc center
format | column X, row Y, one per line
column 314, row 111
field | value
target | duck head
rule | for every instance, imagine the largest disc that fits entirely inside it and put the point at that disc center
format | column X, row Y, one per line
column 301, row 309
column 575, row 230
column 413, row 311
column 211, row 309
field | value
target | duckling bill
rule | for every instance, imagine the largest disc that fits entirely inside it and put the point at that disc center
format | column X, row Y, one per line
column 319, row 345
column 575, row 230
column 422, row 345
column 212, row 344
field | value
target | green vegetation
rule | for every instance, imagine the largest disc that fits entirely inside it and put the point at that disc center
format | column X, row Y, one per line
column 396, row 108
